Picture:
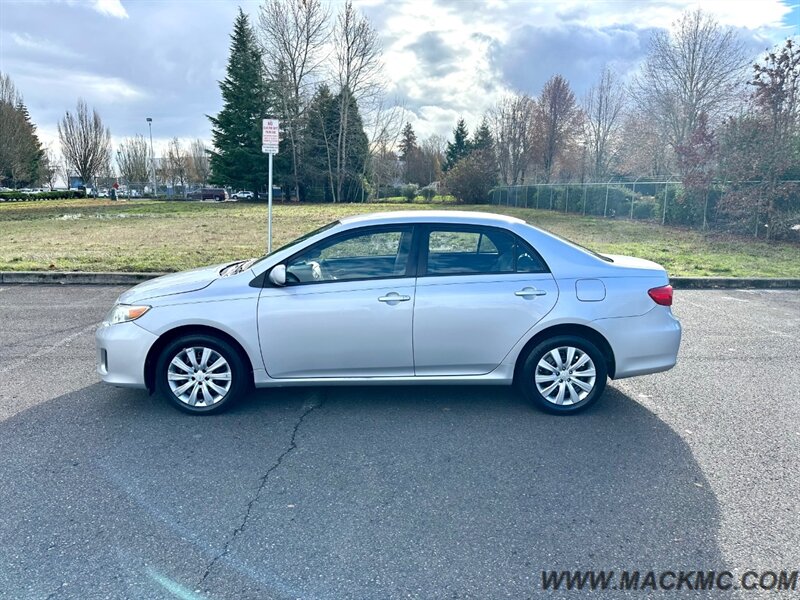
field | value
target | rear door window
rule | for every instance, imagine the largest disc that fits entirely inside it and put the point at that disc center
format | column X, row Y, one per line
column 478, row 250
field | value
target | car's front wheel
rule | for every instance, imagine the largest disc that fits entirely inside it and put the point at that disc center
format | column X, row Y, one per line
column 564, row 374
column 201, row 374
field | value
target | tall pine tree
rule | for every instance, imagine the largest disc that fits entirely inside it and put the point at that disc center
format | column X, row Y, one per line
column 319, row 178
column 21, row 153
column 459, row 148
column 237, row 159
column 482, row 139
column 408, row 142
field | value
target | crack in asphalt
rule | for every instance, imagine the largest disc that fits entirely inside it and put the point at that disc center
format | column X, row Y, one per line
column 316, row 402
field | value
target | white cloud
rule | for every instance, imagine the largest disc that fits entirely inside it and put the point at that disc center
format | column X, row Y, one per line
column 111, row 8
column 457, row 57
column 443, row 58
column 40, row 45
column 61, row 83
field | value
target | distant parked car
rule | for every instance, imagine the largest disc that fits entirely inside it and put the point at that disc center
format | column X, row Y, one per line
column 243, row 195
column 208, row 194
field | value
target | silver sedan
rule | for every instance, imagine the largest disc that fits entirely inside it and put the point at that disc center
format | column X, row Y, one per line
column 397, row 298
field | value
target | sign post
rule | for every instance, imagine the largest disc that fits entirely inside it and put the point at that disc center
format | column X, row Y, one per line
column 270, row 138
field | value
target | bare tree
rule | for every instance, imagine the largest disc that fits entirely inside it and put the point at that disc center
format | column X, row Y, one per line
column 604, row 106
column 776, row 83
column 199, row 165
column 694, row 68
column 64, row 171
column 357, row 52
column 432, row 149
column 383, row 165
column 8, row 91
column 644, row 152
column 133, row 160
column 106, row 174
column 293, row 34
column 85, row 142
column 762, row 146
column 49, row 168
column 557, row 122
column 175, row 165
column 512, row 121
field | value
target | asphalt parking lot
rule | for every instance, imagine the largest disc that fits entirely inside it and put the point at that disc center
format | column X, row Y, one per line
column 392, row 492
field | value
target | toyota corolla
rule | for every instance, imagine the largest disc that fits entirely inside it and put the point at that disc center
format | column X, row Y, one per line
column 397, row 298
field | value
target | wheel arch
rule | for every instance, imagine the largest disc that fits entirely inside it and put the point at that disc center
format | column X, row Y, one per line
column 575, row 329
column 173, row 334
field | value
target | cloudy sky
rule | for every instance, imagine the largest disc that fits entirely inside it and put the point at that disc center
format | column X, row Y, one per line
column 443, row 58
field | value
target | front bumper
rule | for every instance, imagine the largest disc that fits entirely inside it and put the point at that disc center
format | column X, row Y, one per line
column 645, row 344
column 121, row 352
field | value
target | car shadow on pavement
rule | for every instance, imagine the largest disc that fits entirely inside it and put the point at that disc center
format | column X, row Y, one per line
column 343, row 492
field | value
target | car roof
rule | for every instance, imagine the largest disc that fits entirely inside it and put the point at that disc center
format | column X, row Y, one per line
column 431, row 216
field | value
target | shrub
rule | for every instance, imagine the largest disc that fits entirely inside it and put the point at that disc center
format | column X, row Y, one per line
column 409, row 191
column 428, row 193
column 645, row 209
column 56, row 195
column 472, row 178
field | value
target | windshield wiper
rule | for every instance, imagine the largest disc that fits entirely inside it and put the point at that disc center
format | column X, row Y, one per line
column 244, row 265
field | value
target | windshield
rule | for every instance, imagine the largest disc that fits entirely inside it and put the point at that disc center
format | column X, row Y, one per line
column 302, row 238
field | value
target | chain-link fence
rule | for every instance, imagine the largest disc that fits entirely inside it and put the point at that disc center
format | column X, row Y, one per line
column 608, row 199
column 743, row 207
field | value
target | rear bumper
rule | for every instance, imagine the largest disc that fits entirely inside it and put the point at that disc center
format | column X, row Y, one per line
column 645, row 344
column 121, row 352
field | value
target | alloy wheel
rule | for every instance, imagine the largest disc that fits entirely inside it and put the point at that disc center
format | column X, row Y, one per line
column 199, row 376
column 565, row 375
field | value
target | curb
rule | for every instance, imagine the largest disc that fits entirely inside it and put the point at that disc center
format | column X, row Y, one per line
column 734, row 283
column 117, row 278
column 75, row 277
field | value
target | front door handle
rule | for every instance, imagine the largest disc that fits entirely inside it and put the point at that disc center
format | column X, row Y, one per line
column 394, row 297
column 529, row 292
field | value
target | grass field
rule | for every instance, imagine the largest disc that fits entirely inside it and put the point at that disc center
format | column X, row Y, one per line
column 101, row 235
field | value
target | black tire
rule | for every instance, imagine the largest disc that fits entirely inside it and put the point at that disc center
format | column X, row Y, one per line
column 239, row 375
column 526, row 376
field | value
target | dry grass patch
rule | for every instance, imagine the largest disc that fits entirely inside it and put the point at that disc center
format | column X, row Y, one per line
column 143, row 235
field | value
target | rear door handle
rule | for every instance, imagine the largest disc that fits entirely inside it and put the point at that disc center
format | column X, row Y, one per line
column 394, row 297
column 529, row 292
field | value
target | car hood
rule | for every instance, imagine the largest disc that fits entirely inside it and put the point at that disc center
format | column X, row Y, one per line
column 176, row 283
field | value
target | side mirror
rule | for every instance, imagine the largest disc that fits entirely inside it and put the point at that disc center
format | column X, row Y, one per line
column 277, row 275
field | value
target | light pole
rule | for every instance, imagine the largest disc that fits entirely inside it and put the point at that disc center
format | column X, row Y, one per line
column 152, row 155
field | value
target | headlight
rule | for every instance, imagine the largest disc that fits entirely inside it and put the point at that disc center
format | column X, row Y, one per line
column 122, row 313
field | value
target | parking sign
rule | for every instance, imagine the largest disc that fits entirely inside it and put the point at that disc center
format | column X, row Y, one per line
column 270, row 132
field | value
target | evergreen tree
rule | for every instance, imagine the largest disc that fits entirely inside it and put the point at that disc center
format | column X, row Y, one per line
column 483, row 139
column 21, row 153
column 319, row 180
column 237, row 159
column 460, row 146
column 414, row 167
column 357, row 151
column 482, row 147
column 408, row 143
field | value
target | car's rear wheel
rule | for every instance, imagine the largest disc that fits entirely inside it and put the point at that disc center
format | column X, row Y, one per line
column 201, row 374
column 563, row 374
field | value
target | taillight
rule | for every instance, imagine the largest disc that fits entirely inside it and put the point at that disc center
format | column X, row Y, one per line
column 661, row 295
